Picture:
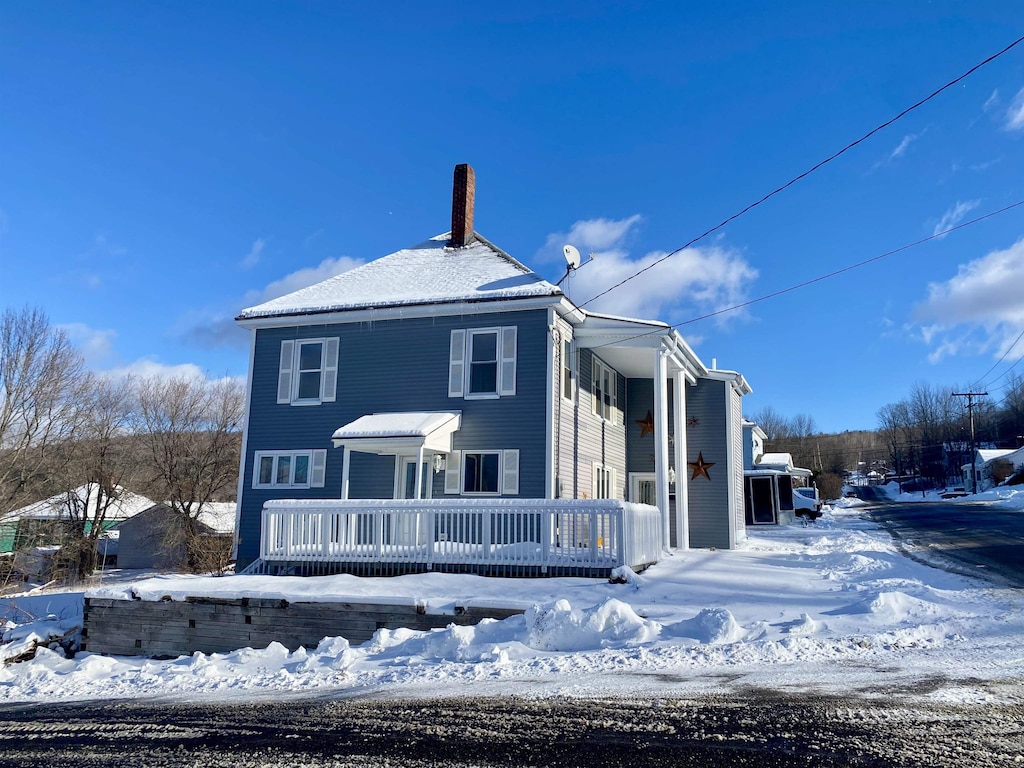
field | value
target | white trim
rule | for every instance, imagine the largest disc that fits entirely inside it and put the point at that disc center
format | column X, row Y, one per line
column 661, row 440
column 426, row 488
column 318, row 469
column 682, row 475
column 635, row 478
column 329, row 370
column 397, row 312
column 550, row 459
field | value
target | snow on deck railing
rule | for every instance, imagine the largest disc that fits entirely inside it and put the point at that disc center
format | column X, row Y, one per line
column 542, row 533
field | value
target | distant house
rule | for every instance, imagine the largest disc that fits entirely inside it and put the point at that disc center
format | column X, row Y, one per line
column 450, row 372
column 992, row 466
column 149, row 540
column 44, row 523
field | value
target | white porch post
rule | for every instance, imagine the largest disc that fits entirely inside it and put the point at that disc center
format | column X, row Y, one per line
column 418, row 494
column 682, row 477
column 345, row 461
column 661, row 440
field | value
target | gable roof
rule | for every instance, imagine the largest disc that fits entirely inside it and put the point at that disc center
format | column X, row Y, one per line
column 428, row 273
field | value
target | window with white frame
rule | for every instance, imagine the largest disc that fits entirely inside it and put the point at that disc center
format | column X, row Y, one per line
column 604, row 481
column 485, row 472
column 567, row 369
column 308, row 373
column 482, row 362
column 605, row 390
column 289, row 469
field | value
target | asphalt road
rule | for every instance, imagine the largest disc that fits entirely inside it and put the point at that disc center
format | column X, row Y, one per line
column 974, row 538
column 762, row 729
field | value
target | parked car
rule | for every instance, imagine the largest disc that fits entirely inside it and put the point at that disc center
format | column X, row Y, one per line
column 806, row 502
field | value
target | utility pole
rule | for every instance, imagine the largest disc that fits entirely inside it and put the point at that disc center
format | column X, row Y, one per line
column 974, row 452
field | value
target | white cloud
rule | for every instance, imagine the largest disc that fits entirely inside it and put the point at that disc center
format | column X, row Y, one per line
column 215, row 327
column 589, row 235
column 979, row 310
column 991, row 102
column 693, row 282
column 252, row 258
column 96, row 345
column 955, row 215
column 901, row 148
column 1015, row 113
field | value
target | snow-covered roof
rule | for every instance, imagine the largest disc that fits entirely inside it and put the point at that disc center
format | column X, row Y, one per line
column 784, row 462
column 428, row 273
column 125, row 505
column 219, row 515
column 391, row 432
column 988, row 454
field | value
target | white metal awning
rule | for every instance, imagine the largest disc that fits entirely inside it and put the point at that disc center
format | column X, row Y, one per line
column 401, row 433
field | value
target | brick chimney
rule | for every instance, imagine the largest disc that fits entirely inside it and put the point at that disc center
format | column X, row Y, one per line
column 463, row 197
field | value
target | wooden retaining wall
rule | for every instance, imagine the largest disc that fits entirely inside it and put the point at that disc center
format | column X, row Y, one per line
column 171, row 628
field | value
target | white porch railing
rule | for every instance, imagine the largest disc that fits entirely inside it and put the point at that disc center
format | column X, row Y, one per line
column 527, row 535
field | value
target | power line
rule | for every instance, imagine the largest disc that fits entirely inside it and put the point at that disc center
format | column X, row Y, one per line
column 1008, row 350
column 811, row 170
column 827, row 276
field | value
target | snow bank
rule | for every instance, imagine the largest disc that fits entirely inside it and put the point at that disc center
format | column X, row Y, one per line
column 821, row 607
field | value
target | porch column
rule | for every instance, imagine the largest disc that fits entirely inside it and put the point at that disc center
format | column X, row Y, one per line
column 661, row 440
column 682, row 477
column 345, row 461
column 418, row 493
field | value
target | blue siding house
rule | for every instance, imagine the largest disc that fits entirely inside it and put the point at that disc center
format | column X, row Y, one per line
column 449, row 370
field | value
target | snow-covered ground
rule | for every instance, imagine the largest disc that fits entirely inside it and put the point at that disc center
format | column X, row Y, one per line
column 830, row 607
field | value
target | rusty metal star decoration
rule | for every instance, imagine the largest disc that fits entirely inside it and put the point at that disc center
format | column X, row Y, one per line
column 693, row 421
column 700, row 467
column 646, row 425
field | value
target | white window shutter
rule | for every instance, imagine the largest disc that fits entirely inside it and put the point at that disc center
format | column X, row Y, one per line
column 507, row 386
column 510, row 472
column 284, row 377
column 318, row 472
column 453, row 473
column 457, row 364
column 329, row 380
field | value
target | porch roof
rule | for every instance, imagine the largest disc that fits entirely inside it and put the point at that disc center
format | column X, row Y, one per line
column 400, row 433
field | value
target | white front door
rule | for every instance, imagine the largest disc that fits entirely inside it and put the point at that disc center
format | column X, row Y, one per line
column 642, row 488
column 405, row 482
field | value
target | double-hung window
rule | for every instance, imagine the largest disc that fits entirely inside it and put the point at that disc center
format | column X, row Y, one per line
column 604, row 381
column 308, row 373
column 289, row 469
column 604, row 482
column 482, row 362
column 567, row 369
column 484, row 472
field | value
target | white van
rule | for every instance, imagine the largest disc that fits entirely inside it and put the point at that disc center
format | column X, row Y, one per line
column 806, row 502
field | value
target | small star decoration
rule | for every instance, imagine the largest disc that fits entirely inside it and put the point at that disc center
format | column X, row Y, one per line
column 646, row 425
column 700, row 467
column 693, row 421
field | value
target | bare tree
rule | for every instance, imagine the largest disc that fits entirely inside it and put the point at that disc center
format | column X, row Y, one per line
column 98, row 467
column 774, row 424
column 191, row 431
column 41, row 380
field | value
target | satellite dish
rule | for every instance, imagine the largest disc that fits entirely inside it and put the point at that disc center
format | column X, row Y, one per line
column 572, row 256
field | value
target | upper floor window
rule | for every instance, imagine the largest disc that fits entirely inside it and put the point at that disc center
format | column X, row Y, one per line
column 482, row 362
column 605, row 390
column 289, row 469
column 308, row 373
column 604, row 481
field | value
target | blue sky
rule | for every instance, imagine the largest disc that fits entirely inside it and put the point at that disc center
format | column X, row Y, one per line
column 164, row 165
